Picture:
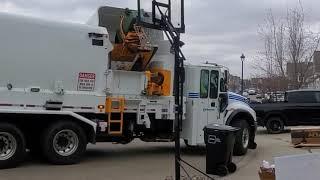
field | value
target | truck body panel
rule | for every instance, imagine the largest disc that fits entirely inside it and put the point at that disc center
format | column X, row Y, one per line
column 59, row 75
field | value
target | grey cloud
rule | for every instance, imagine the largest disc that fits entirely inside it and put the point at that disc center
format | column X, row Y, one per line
column 217, row 30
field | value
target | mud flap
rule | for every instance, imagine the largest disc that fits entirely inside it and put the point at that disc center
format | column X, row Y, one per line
column 252, row 144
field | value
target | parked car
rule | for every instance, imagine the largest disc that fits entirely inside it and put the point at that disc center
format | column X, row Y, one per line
column 300, row 107
column 259, row 96
column 278, row 96
column 252, row 92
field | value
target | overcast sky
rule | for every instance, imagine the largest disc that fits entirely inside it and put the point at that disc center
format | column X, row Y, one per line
column 216, row 30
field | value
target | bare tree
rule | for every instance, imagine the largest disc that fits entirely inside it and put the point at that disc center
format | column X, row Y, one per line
column 272, row 58
column 288, row 48
column 301, row 44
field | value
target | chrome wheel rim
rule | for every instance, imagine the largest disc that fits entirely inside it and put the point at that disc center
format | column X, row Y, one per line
column 8, row 145
column 245, row 137
column 65, row 142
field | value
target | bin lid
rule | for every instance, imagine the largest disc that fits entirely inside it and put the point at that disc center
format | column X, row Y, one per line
column 219, row 127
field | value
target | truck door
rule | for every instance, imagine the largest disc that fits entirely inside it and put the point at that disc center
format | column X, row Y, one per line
column 213, row 102
column 203, row 104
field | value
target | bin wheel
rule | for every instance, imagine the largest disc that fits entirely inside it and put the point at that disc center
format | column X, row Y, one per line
column 187, row 143
column 232, row 167
column 222, row 170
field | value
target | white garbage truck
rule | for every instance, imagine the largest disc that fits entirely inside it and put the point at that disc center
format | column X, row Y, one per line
column 65, row 85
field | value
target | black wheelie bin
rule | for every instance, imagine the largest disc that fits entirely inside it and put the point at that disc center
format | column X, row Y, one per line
column 219, row 141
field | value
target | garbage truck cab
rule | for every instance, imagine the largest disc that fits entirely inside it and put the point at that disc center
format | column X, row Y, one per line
column 208, row 101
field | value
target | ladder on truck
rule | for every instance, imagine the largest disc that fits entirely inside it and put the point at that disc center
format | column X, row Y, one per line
column 115, row 111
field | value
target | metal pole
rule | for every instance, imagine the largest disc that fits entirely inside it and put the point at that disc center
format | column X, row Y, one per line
column 242, row 77
column 182, row 17
column 178, row 94
column 139, row 11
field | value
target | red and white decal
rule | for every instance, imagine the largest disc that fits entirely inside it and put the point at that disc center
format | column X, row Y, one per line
column 86, row 81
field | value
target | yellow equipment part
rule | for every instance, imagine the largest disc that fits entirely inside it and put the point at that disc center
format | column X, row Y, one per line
column 138, row 61
column 159, row 82
column 135, row 49
column 115, row 109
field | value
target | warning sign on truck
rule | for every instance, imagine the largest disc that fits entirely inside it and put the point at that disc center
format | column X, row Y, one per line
column 86, row 81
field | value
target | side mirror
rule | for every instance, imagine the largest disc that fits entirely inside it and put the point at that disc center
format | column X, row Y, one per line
column 223, row 101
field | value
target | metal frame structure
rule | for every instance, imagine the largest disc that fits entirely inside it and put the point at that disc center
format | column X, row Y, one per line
column 157, row 22
column 173, row 34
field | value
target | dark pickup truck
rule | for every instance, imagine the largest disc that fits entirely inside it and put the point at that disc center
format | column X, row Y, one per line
column 300, row 107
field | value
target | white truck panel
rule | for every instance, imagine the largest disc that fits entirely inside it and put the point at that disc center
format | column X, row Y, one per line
column 126, row 82
column 40, row 53
column 69, row 113
column 50, row 58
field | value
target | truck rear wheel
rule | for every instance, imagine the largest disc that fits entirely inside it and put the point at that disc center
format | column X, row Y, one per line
column 12, row 146
column 275, row 125
column 242, row 139
column 64, row 143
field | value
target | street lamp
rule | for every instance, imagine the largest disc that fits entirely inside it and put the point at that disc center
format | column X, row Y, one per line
column 242, row 57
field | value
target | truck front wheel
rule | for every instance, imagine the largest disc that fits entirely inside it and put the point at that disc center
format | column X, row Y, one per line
column 242, row 138
column 64, row 143
column 12, row 146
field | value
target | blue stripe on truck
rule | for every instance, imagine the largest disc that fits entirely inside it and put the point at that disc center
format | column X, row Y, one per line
column 193, row 95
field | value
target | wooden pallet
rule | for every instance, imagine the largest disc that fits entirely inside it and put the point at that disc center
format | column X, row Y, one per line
column 306, row 145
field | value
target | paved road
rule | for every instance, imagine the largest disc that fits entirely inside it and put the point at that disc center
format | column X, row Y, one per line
column 146, row 161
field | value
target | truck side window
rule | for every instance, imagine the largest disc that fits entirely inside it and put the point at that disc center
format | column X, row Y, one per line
column 204, row 83
column 302, row 97
column 214, row 84
column 223, row 85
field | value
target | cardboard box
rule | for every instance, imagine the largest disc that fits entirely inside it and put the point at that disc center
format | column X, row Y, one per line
column 310, row 135
column 267, row 174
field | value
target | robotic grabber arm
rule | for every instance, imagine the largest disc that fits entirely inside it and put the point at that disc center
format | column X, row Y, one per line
column 132, row 50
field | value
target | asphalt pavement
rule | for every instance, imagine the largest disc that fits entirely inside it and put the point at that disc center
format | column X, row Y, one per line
column 147, row 161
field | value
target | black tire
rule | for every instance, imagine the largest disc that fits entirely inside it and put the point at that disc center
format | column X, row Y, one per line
column 59, row 133
column 241, row 142
column 275, row 125
column 11, row 134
